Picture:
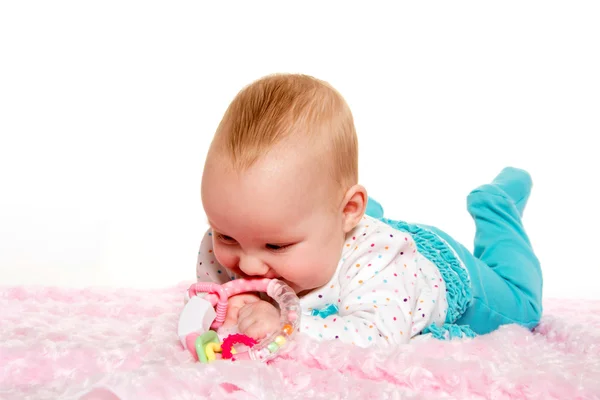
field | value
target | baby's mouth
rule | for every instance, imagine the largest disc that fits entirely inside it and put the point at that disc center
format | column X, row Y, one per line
column 269, row 275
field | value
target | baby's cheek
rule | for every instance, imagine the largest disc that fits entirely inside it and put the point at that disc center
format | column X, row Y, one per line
column 317, row 274
column 224, row 257
column 326, row 268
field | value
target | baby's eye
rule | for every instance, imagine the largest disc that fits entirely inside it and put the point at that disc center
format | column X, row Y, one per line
column 277, row 247
column 225, row 239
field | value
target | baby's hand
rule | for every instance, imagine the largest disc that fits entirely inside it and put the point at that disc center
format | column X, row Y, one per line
column 234, row 304
column 258, row 319
column 254, row 317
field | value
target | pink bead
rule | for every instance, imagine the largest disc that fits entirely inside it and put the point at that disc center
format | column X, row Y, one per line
column 292, row 315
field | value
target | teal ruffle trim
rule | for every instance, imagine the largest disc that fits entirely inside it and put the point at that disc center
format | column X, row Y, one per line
column 449, row 331
column 431, row 246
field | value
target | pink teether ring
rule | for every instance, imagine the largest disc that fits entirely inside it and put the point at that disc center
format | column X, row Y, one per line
column 271, row 345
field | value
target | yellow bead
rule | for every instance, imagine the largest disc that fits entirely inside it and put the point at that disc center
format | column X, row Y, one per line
column 211, row 349
column 280, row 340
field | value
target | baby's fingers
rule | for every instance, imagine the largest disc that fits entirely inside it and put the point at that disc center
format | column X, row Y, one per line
column 256, row 329
column 236, row 303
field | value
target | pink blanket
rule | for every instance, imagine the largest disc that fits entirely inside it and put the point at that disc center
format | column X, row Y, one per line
column 63, row 344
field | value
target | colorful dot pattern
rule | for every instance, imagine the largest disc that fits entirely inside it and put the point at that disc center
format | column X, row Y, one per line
column 385, row 291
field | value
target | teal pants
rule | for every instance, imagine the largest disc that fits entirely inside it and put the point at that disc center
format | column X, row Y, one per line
column 505, row 273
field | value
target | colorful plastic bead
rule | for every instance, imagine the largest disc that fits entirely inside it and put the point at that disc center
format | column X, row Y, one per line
column 200, row 350
column 280, row 340
column 202, row 341
column 292, row 315
column 272, row 347
column 287, row 328
column 211, row 349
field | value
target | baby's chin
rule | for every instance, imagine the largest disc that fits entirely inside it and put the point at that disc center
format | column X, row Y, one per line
column 299, row 290
column 302, row 291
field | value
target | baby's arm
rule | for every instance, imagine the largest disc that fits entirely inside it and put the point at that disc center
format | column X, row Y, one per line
column 386, row 296
column 208, row 268
column 362, row 326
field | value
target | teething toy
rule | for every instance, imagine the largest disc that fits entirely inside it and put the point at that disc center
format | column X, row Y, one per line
column 202, row 316
column 228, row 343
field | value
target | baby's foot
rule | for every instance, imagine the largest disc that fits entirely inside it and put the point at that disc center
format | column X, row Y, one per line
column 511, row 183
column 516, row 183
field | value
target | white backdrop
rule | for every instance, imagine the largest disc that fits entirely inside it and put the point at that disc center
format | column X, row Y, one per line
column 106, row 112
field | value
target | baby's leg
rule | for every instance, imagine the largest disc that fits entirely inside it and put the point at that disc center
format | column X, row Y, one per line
column 506, row 274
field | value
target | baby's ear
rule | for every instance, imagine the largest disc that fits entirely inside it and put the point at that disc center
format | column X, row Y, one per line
column 354, row 206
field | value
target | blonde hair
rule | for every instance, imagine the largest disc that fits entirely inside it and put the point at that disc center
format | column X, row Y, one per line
column 277, row 106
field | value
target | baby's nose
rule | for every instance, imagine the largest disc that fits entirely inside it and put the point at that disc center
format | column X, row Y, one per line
column 253, row 266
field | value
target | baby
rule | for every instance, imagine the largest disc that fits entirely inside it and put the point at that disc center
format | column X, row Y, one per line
column 280, row 191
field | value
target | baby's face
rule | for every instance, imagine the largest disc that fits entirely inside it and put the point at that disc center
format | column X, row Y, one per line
column 279, row 219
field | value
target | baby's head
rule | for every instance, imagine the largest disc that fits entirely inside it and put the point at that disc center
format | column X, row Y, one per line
column 280, row 184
